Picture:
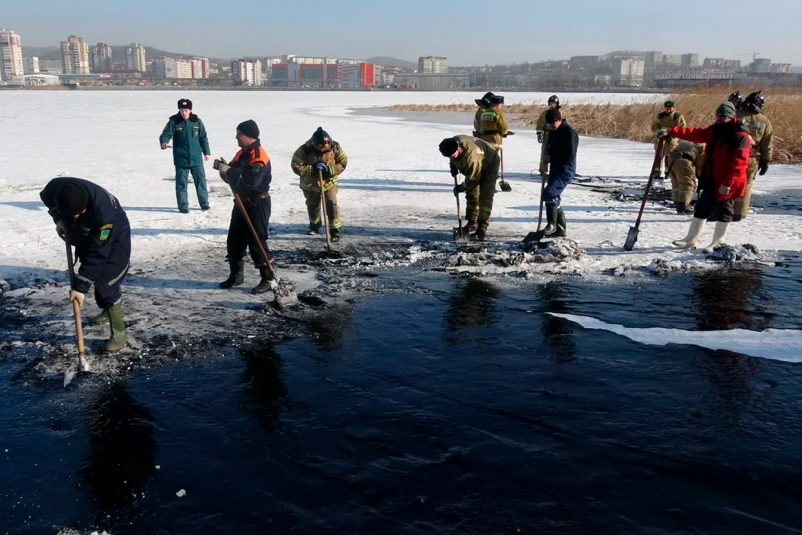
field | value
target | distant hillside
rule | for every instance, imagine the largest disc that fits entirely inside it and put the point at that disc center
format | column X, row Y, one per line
column 117, row 52
column 386, row 61
column 42, row 52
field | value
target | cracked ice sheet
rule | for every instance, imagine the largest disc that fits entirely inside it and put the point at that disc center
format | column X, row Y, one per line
column 396, row 187
column 775, row 344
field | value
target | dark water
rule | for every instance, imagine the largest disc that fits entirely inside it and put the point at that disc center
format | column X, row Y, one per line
column 461, row 409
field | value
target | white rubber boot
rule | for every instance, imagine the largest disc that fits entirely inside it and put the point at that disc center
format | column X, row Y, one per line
column 719, row 235
column 689, row 241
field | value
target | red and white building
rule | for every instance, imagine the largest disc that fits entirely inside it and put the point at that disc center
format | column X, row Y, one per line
column 324, row 74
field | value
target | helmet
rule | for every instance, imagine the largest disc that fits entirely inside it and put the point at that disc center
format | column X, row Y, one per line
column 554, row 98
column 485, row 101
column 321, row 140
column 754, row 102
column 736, row 97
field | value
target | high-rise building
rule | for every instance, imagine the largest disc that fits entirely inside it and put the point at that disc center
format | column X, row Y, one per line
column 10, row 54
column 689, row 60
column 31, row 65
column 628, row 72
column 432, row 64
column 101, row 58
column 652, row 60
column 672, row 59
column 135, row 57
column 200, row 68
column 246, row 71
column 74, row 56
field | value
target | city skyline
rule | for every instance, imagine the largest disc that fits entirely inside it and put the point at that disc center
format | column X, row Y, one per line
column 363, row 29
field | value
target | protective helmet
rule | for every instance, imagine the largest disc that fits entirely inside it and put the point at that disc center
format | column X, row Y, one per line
column 554, row 98
column 321, row 140
column 736, row 97
column 485, row 101
column 754, row 102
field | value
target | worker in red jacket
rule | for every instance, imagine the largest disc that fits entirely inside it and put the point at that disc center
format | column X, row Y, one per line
column 723, row 176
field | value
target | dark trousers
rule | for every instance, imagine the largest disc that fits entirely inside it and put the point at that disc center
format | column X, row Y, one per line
column 240, row 238
column 181, row 179
column 559, row 178
column 707, row 207
column 108, row 286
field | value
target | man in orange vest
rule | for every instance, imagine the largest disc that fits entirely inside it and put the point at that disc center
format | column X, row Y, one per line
column 249, row 175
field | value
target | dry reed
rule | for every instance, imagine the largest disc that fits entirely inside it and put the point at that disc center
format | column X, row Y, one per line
column 634, row 121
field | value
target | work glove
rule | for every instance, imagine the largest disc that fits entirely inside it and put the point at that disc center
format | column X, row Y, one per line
column 459, row 188
column 764, row 166
column 61, row 230
column 222, row 167
column 77, row 296
column 540, row 137
column 453, row 169
column 724, row 190
column 663, row 133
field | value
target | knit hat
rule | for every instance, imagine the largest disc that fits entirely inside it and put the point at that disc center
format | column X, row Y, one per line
column 448, row 146
column 669, row 104
column 553, row 115
column 726, row 109
column 249, row 128
column 72, row 197
column 184, row 104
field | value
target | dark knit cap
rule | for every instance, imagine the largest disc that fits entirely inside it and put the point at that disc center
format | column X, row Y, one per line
column 669, row 104
column 249, row 128
column 726, row 109
column 553, row 115
column 184, row 104
column 448, row 146
column 72, row 197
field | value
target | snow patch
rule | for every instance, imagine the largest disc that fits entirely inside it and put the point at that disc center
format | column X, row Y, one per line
column 774, row 344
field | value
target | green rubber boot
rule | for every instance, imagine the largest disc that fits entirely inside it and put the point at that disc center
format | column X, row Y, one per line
column 118, row 337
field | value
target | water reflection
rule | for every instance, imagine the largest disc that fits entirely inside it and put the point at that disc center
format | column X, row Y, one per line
column 121, row 456
column 722, row 299
column 472, row 305
column 557, row 333
column 264, row 392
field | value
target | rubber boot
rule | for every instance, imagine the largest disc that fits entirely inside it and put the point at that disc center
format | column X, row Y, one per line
column 264, row 284
column 237, row 275
column 313, row 230
column 335, row 234
column 689, row 241
column 481, row 232
column 551, row 220
column 719, row 235
column 100, row 319
column 118, row 337
column 561, row 225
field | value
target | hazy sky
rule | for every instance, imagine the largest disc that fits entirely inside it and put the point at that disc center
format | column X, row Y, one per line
column 468, row 32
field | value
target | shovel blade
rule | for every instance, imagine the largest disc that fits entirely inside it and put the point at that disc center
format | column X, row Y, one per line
column 533, row 237
column 632, row 238
column 505, row 186
column 460, row 234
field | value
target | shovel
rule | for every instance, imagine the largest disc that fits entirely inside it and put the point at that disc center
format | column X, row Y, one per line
column 538, row 234
column 323, row 210
column 83, row 364
column 632, row 236
column 504, row 185
column 460, row 233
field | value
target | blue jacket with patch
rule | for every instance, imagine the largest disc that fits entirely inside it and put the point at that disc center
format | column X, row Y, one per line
column 96, row 234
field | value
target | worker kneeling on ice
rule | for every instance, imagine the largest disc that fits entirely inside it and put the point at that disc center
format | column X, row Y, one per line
column 249, row 176
column 563, row 144
column 723, row 175
column 479, row 162
column 90, row 218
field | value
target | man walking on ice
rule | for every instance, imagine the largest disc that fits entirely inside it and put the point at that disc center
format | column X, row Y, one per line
column 190, row 149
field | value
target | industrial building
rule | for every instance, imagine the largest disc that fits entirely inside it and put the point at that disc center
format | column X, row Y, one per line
column 332, row 75
column 432, row 81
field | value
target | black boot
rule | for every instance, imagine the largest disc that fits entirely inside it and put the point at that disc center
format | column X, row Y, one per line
column 481, row 231
column 264, row 284
column 561, row 225
column 683, row 209
column 237, row 275
column 313, row 229
column 551, row 220
column 335, row 234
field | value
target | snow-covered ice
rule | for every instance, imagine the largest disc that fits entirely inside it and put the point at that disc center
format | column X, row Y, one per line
column 396, row 193
column 776, row 344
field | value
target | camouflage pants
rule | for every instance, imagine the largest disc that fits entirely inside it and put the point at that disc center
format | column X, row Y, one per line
column 479, row 200
column 683, row 180
column 332, row 208
column 544, row 155
column 742, row 205
column 671, row 145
